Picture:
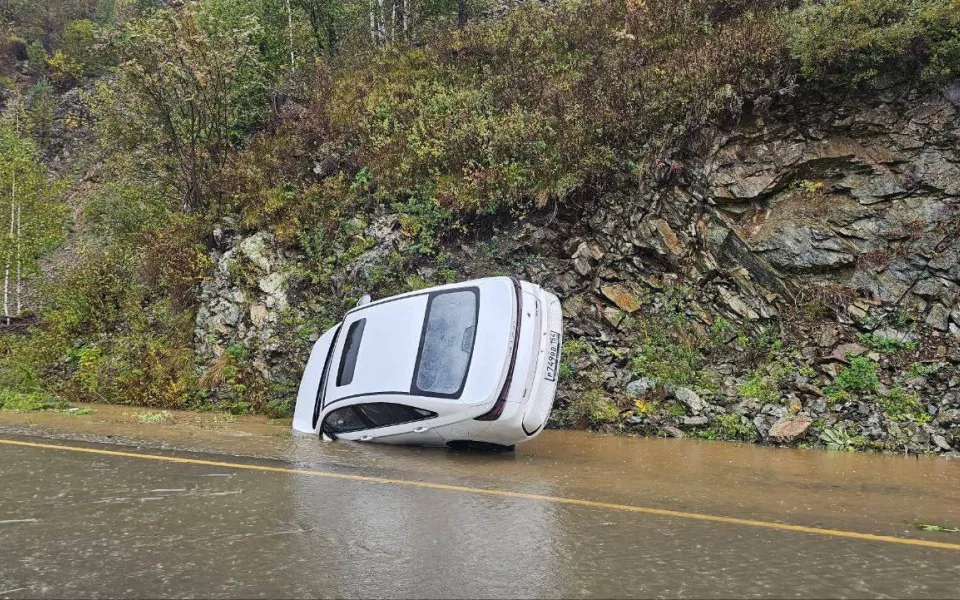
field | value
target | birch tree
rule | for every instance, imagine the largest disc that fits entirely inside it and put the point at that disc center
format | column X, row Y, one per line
column 33, row 219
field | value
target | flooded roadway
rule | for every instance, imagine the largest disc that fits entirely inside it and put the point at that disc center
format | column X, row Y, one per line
column 80, row 524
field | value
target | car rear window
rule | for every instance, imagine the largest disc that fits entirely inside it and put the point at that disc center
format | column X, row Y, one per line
column 351, row 347
column 449, row 332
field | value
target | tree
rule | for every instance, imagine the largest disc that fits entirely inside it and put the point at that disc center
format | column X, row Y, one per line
column 40, row 109
column 34, row 220
column 188, row 89
column 324, row 17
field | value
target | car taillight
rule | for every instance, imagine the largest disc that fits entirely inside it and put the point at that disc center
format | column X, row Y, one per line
column 494, row 413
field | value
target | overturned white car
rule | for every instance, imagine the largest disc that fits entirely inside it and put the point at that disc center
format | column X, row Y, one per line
column 474, row 362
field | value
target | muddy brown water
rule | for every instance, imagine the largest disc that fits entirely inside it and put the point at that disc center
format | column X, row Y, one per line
column 82, row 525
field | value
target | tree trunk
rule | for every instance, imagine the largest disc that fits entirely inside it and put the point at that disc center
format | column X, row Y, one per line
column 382, row 22
column 6, row 268
column 463, row 12
column 331, row 36
column 373, row 22
column 19, row 262
column 290, row 31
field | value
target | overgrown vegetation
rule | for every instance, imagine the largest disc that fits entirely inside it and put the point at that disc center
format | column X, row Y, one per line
column 859, row 377
column 308, row 118
column 850, row 42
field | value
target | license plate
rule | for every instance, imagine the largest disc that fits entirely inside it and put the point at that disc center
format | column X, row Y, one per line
column 553, row 357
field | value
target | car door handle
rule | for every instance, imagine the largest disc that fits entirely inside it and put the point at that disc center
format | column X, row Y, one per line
column 366, row 438
column 420, row 429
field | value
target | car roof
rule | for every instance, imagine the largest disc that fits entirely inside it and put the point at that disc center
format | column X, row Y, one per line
column 392, row 335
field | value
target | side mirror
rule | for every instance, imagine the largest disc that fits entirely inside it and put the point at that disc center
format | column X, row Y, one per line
column 366, row 299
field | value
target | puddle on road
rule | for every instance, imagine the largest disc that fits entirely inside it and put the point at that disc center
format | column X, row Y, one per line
column 743, row 480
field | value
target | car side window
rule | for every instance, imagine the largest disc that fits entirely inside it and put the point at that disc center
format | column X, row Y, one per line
column 372, row 416
column 384, row 414
column 351, row 348
column 344, row 420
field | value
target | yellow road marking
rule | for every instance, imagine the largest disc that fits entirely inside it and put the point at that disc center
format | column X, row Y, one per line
column 505, row 494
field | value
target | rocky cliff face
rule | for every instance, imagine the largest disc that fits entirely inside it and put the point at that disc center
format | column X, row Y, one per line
column 794, row 281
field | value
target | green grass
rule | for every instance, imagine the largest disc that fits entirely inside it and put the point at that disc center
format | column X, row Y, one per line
column 900, row 405
column 28, row 401
column 164, row 416
column 728, row 428
column 937, row 528
column 884, row 344
column 593, row 408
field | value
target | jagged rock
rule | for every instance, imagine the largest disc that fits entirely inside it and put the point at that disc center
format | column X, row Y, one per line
column 690, row 398
column 948, row 417
column 799, row 248
column 272, row 286
column 795, row 405
column 938, row 317
column 843, row 352
column 889, row 333
column 258, row 314
column 620, row 295
column 641, row 387
column 790, row 430
column 695, row 421
column 941, row 442
column 613, row 316
column 737, row 304
column 932, row 168
column 672, row 431
column 870, row 188
column 254, row 249
column 828, row 337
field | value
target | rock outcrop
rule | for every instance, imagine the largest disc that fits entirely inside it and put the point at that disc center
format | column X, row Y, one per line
column 833, row 224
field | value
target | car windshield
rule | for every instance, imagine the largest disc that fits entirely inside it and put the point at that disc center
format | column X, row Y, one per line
column 447, row 344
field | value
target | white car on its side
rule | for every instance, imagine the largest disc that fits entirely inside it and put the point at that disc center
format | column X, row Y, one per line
column 473, row 362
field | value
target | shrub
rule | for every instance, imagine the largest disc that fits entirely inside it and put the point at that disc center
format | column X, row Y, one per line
column 80, row 54
column 36, row 57
column 859, row 377
column 27, row 401
column 592, row 408
column 837, row 438
column 175, row 261
column 884, row 344
column 106, row 338
column 901, row 406
column 670, row 355
column 852, row 41
column 41, row 103
column 515, row 113
column 188, row 89
column 728, row 427
column 761, row 386
column 17, row 48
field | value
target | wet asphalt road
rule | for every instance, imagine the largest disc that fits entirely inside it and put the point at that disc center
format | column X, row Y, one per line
column 76, row 524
